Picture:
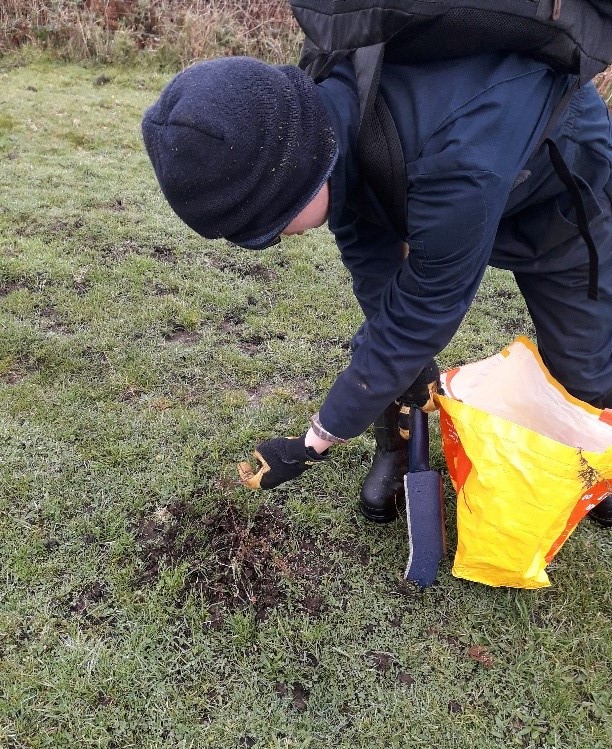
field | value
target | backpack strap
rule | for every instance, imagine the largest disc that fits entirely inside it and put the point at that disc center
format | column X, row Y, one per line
column 573, row 188
column 379, row 148
column 368, row 62
column 316, row 63
column 559, row 109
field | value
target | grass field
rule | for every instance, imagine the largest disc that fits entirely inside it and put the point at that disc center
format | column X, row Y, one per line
column 147, row 599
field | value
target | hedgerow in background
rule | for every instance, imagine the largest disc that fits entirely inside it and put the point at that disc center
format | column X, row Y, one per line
column 169, row 33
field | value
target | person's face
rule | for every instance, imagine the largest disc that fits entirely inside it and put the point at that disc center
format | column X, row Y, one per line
column 314, row 215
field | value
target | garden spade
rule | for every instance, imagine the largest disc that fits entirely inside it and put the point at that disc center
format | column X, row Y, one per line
column 424, row 506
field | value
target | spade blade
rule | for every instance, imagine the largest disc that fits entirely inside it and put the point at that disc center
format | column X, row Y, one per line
column 425, row 514
column 424, row 506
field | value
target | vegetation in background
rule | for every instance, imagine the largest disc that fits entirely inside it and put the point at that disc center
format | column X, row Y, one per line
column 170, row 33
column 148, row 601
column 604, row 84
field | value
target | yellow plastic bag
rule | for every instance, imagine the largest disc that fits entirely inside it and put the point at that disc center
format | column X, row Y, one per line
column 527, row 461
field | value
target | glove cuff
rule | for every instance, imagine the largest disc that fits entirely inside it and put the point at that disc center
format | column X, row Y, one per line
column 313, row 456
column 321, row 432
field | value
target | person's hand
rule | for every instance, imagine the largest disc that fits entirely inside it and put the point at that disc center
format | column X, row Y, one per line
column 278, row 460
column 421, row 392
column 419, row 395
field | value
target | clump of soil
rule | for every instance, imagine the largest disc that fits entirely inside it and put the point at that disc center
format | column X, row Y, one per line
column 181, row 336
column 242, row 269
column 163, row 254
column 10, row 286
column 87, row 598
column 238, row 562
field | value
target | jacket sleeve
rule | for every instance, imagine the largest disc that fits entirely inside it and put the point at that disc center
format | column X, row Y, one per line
column 452, row 221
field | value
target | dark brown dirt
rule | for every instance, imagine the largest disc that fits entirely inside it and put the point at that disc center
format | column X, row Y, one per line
column 12, row 378
column 9, row 286
column 298, row 693
column 130, row 394
column 163, row 254
column 83, row 604
column 514, row 327
column 382, row 662
column 160, row 289
column 243, row 269
column 231, row 321
column 181, row 336
column 405, row 679
column 51, row 321
column 238, row 562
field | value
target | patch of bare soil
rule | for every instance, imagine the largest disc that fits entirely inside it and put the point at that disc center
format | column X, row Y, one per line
column 252, row 343
column 80, row 282
column 10, row 286
column 238, row 562
column 12, row 377
column 161, row 290
column 15, row 370
column 131, row 394
column 52, row 322
column 181, row 336
column 514, row 327
column 298, row 693
column 87, row 598
column 257, row 394
column 232, row 322
column 163, row 254
column 243, row 269
column 118, row 252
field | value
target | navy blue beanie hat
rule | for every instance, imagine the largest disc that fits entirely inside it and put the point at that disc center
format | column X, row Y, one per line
column 239, row 147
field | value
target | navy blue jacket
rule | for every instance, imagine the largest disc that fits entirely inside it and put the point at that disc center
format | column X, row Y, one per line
column 468, row 130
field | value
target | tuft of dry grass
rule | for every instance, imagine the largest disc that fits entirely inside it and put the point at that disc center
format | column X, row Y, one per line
column 604, row 84
column 173, row 32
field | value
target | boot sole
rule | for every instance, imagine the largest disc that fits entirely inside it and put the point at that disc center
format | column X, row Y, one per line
column 602, row 515
column 381, row 518
column 603, row 522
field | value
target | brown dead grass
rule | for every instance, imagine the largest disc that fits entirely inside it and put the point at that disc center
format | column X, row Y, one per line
column 176, row 31
column 604, row 84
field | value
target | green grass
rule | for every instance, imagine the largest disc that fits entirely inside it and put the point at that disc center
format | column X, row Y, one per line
column 147, row 599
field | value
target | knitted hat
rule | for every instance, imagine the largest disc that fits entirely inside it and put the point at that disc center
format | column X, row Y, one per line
column 239, row 147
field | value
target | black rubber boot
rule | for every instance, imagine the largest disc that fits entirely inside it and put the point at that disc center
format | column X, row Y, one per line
column 602, row 514
column 382, row 494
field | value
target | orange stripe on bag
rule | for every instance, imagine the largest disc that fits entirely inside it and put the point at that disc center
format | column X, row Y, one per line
column 587, row 502
column 606, row 416
column 459, row 465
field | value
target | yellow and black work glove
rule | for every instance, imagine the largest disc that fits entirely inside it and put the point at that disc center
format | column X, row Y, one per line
column 419, row 395
column 278, row 460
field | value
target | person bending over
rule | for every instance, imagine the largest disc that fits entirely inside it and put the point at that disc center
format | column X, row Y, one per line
column 248, row 151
